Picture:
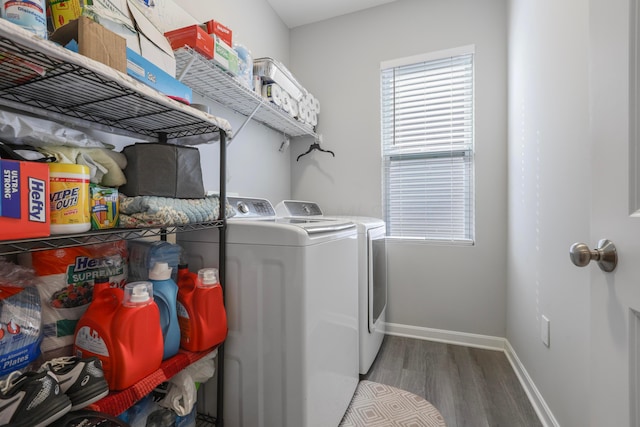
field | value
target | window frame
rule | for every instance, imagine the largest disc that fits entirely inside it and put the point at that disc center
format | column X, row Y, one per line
column 389, row 155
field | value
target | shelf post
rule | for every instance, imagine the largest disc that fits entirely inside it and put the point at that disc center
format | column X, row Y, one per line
column 222, row 269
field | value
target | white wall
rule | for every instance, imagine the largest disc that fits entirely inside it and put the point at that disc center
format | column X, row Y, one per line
column 338, row 60
column 549, row 198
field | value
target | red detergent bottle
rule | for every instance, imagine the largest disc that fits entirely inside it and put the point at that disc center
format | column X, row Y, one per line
column 122, row 329
column 201, row 313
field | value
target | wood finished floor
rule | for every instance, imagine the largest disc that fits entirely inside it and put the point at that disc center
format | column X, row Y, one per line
column 471, row 387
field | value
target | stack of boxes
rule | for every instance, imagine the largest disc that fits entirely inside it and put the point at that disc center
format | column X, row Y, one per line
column 212, row 40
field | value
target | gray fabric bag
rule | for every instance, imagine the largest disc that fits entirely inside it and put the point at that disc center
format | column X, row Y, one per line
column 165, row 170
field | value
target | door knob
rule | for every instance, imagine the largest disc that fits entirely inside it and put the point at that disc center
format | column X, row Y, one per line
column 605, row 254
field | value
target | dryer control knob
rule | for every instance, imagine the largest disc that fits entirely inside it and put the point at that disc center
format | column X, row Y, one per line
column 243, row 208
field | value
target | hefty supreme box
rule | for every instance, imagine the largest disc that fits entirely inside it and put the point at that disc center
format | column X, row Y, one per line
column 24, row 211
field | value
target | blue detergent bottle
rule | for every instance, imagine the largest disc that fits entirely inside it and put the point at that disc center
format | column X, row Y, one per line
column 165, row 294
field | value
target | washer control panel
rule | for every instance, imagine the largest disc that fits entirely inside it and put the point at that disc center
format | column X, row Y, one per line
column 288, row 208
column 248, row 207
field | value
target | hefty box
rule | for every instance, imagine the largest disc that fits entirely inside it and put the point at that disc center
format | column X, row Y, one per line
column 225, row 33
column 24, row 210
column 192, row 36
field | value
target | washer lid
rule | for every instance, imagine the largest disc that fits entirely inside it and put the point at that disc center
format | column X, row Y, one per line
column 318, row 225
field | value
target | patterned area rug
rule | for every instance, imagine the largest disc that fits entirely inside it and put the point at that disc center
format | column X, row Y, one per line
column 379, row 405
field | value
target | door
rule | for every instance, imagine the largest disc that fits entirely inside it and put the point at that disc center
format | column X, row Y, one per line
column 615, row 297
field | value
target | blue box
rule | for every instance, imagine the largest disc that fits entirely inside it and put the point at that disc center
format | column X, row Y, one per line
column 141, row 69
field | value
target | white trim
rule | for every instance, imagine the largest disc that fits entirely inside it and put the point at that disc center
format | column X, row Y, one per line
column 487, row 342
column 542, row 409
column 449, row 337
column 424, row 57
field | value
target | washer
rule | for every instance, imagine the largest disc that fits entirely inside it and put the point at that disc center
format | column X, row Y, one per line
column 291, row 355
column 372, row 275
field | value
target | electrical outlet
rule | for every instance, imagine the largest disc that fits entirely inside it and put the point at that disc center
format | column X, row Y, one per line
column 545, row 330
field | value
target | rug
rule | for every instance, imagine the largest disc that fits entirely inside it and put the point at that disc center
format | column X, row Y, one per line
column 379, row 405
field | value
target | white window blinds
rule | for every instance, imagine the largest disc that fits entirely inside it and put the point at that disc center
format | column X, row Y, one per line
column 427, row 138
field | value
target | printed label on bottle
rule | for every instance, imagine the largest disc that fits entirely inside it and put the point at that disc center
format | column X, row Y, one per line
column 182, row 311
column 89, row 340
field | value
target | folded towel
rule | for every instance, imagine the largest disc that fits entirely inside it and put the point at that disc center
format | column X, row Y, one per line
column 147, row 211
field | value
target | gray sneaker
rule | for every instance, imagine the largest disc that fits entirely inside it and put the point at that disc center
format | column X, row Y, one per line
column 80, row 379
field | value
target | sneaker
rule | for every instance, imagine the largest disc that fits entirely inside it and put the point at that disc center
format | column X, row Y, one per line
column 80, row 379
column 32, row 399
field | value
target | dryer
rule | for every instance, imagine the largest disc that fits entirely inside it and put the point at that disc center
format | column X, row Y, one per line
column 372, row 275
column 291, row 355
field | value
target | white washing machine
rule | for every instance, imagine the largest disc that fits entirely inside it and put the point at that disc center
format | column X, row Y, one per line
column 372, row 274
column 291, row 355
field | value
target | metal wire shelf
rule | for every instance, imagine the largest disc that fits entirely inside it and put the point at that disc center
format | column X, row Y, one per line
column 8, row 247
column 205, row 78
column 40, row 77
column 203, row 420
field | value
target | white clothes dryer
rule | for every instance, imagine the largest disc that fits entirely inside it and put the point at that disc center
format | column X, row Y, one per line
column 291, row 354
column 372, row 275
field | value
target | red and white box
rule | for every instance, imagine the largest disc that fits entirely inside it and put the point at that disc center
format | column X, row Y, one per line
column 192, row 36
column 224, row 33
column 24, row 205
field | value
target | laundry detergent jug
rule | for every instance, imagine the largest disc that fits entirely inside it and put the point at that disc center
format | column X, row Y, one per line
column 165, row 293
column 201, row 312
column 122, row 329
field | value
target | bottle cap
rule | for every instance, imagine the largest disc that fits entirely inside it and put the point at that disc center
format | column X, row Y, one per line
column 160, row 271
column 137, row 294
column 207, row 277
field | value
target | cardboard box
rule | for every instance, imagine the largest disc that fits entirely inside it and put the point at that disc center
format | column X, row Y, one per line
column 154, row 46
column 152, row 75
column 225, row 33
column 225, row 57
column 114, row 16
column 192, row 36
column 25, row 199
column 127, row 18
column 94, row 41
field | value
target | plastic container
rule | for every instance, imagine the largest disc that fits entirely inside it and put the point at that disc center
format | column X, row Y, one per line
column 121, row 328
column 144, row 254
column 69, row 198
column 201, row 312
column 29, row 14
column 165, row 293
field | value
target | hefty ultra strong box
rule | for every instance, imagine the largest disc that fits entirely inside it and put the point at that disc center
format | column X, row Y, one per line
column 24, row 205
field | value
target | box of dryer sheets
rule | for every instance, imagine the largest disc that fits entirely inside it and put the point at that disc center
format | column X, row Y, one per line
column 24, row 206
column 151, row 75
column 225, row 57
column 94, row 41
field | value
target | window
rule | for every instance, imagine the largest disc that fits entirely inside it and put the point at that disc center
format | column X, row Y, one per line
column 427, row 145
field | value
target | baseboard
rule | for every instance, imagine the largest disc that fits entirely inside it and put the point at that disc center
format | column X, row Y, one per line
column 544, row 412
column 449, row 337
column 487, row 342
